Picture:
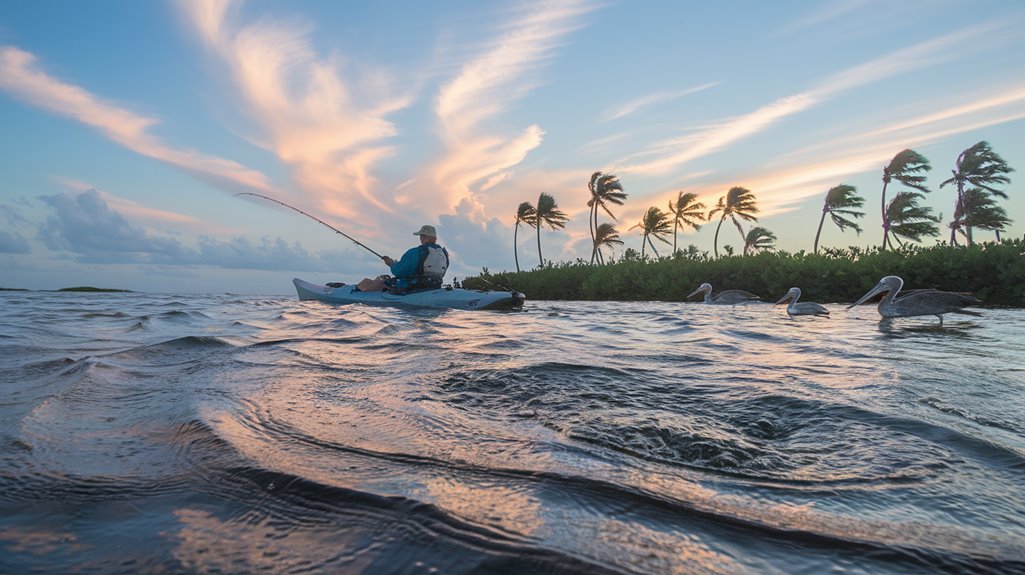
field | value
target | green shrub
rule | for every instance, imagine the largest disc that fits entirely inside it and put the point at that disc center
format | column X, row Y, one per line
column 994, row 272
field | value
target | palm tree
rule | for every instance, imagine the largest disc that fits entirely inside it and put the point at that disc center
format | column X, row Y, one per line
column 840, row 204
column 605, row 189
column 737, row 203
column 655, row 223
column 759, row 239
column 981, row 167
column 980, row 211
column 547, row 212
column 686, row 210
column 908, row 220
column 606, row 235
column 525, row 214
column 904, row 167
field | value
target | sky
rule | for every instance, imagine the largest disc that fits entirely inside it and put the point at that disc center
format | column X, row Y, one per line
column 127, row 128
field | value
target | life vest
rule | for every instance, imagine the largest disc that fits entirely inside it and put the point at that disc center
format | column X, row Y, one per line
column 433, row 265
column 433, row 261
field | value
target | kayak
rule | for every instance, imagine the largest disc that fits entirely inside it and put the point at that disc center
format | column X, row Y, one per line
column 444, row 297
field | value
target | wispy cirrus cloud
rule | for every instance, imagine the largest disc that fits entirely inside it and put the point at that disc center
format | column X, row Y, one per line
column 477, row 155
column 304, row 107
column 21, row 76
column 783, row 189
column 668, row 155
column 637, row 104
column 826, row 12
column 693, row 146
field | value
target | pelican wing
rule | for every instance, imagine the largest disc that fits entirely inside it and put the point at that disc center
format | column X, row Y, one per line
column 925, row 302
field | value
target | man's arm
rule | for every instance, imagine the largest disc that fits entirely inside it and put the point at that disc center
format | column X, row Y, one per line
column 406, row 266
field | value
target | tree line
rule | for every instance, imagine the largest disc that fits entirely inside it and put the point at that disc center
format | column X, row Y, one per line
column 977, row 176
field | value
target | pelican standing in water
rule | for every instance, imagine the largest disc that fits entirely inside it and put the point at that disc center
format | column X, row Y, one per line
column 725, row 297
column 917, row 302
column 803, row 308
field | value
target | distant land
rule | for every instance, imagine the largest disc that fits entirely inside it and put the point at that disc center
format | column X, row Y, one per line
column 90, row 288
column 79, row 288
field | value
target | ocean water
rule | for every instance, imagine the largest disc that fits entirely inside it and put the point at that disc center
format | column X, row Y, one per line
column 245, row 434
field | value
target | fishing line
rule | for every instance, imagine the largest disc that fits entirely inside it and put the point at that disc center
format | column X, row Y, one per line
column 314, row 218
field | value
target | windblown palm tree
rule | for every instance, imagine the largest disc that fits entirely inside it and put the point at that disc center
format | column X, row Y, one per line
column 980, row 167
column 904, row 167
column 687, row 210
column 655, row 223
column 908, row 220
column 980, row 211
column 759, row 239
column 737, row 203
column 547, row 213
column 607, row 236
column 605, row 189
column 525, row 214
column 840, row 204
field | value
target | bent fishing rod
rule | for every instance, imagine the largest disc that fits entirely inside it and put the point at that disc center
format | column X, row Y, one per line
column 314, row 218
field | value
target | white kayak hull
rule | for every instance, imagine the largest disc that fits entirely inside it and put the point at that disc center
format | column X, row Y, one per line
column 446, row 297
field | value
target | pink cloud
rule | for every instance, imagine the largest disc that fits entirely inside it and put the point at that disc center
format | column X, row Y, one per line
column 303, row 105
column 20, row 76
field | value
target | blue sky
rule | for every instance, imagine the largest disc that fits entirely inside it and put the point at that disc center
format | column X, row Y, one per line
column 129, row 126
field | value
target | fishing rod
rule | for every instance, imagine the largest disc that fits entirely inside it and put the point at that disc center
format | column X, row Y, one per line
column 314, row 218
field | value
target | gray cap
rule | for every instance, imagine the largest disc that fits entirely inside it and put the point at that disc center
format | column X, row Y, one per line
column 426, row 231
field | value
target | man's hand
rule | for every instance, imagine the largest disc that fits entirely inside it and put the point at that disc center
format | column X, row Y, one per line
column 388, row 261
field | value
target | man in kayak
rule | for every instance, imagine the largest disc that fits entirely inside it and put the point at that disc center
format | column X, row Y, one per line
column 421, row 267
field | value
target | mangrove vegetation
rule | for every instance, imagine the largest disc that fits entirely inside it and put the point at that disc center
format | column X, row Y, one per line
column 994, row 272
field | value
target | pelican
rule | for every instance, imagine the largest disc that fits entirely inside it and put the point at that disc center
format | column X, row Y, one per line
column 725, row 297
column 917, row 302
column 803, row 308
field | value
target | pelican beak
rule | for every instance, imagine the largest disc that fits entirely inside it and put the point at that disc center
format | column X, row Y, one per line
column 694, row 293
column 880, row 288
column 783, row 299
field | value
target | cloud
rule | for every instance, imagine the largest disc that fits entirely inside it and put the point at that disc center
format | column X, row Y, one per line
column 719, row 137
column 308, row 113
column 132, row 209
column 669, row 155
column 85, row 225
column 484, row 88
column 13, row 243
column 21, row 76
column 637, row 104
column 90, row 230
column 823, row 13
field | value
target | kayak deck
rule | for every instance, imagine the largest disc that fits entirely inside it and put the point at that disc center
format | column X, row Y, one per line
column 445, row 297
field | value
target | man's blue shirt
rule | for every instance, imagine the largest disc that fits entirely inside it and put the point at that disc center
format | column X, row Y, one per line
column 405, row 270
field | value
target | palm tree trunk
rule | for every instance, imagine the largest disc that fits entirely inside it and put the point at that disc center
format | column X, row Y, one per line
column 740, row 230
column 715, row 244
column 592, row 222
column 539, row 256
column 644, row 241
column 676, row 226
column 815, row 250
column 652, row 244
column 958, row 209
column 516, row 251
column 886, row 222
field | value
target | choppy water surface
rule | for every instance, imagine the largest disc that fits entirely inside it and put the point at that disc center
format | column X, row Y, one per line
column 248, row 434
